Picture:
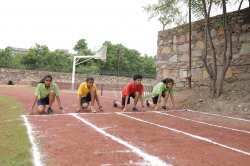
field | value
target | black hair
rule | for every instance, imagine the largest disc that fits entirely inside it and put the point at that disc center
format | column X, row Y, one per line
column 44, row 78
column 136, row 76
column 167, row 80
column 89, row 78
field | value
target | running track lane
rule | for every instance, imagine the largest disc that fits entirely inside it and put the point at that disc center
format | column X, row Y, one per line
column 66, row 140
column 173, row 147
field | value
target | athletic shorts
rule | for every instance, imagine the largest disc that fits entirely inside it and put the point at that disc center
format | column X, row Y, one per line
column 44, row 101
column 86, row 99
column 124, row 99
column 155, row 99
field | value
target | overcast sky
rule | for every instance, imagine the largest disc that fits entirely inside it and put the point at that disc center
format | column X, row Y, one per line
column 59, row 24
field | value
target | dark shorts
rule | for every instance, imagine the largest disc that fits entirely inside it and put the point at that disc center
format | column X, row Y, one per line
column 155, row 99
column 124, row 99
column 86, row 99
column 44, row 101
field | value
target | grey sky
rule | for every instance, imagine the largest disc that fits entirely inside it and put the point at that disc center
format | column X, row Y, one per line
column 61, row 23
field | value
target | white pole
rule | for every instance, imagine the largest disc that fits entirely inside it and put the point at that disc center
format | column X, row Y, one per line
column 73, row 74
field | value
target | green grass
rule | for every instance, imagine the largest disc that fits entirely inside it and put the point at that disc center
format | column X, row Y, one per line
column 20, row 88
column 14, row 141
column 196, row 90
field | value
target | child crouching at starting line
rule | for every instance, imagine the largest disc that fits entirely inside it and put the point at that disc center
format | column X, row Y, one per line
column 164, row 89
column 87, row 92
column 133, row 89
column 46, row 91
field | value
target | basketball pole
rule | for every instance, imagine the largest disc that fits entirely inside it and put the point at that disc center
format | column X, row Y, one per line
column 74, row 68
column 119, row 66
column 73, row 75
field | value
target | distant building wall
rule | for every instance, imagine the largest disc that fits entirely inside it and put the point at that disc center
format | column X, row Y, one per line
column 173, row 50
column 26, row 77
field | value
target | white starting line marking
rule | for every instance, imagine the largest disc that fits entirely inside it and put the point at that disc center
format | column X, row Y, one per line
column 36, row 154
column 191, row 135
column 205, row 123
column 90, row 113
column 219, row 115
column 154, row 161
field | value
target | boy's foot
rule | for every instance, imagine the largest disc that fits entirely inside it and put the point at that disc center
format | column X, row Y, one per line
column 50, row 111
column 134, row 109
column 114, row 105
column 164, row 108
column 147, row 104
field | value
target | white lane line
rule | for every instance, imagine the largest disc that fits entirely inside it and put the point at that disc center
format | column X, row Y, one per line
column 47, row 115
column 35, row 151
column 219, row 115
column 191, row 135
column 154, row 161
column 205, row 123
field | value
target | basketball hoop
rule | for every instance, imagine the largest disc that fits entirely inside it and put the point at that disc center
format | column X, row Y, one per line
column 100, row 53
column 103, row 59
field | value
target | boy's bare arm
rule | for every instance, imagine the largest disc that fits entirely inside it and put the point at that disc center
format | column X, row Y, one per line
column 172, row 99
column 158, row 101
column 59, row 103
column 34, row 102
column 98, row 102
column 126, row 103
column 80, row 101
column 141, row 98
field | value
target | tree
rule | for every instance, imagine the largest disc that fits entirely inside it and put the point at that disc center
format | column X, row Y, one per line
column 6, row 55
column 201, row 8
column 82, row 46
column 130, row 60
column 37, row 56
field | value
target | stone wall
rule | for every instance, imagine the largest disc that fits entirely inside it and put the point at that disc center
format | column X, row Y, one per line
column 173, row 50
column 26, row 77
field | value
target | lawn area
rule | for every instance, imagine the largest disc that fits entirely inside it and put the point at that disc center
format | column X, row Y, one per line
column 20, row 88
column 15, row 145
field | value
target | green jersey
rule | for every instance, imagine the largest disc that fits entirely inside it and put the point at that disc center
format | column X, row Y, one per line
column 43, row 92
column 161, row 87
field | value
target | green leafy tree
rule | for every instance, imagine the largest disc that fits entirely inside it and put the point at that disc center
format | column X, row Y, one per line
column 130, row 60
column 82, row 47
column 6, row 55
column 36, row 56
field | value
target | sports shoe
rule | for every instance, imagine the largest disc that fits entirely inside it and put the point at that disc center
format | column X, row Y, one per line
column 164, row 108
column 114, row 105
column 134, row 109
column 50, row 111
column 147, row 104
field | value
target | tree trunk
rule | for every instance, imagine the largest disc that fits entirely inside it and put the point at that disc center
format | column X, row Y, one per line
column 212, row 88
column 229, row 36
column 212, row 72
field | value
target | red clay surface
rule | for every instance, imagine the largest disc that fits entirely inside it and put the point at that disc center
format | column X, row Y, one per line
column 66, row 140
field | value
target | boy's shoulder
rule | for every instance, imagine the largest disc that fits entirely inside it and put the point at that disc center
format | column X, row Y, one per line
column 40, row 85
column 131, row 84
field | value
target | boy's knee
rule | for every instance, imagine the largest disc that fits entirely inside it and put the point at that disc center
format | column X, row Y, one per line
column 93, row 90
column 40, row 110
column 85, row 105
column 52, row 92
column 137, row 93
column 166, row 93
